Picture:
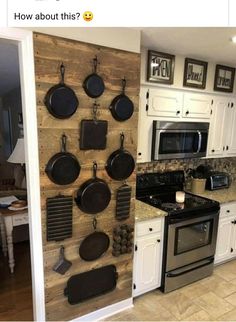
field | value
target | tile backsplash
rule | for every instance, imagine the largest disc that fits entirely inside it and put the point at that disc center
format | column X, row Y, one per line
column 222, row 164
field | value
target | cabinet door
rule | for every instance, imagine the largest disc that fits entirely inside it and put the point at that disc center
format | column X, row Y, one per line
column 147, row 264
column 197, row 106
column 165, row 103
column 224, row 239
column 231, row 129
column 216, row 139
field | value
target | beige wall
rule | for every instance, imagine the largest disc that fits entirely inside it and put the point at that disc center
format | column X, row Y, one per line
column 179, row 72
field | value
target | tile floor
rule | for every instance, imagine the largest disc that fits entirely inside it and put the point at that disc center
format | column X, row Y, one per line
column 210, row 299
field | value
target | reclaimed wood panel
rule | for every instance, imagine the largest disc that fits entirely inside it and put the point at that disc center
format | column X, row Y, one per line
column 114, row 64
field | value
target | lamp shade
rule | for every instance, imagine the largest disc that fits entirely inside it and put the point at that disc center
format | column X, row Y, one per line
column 18, row 154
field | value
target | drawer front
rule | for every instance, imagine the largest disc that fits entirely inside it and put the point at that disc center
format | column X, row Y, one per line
column 227, row 209
column 20, row 219
column 148, row 227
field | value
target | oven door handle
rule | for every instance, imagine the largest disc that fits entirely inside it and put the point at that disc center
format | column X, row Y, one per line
column 199, row 142
column 189, row 270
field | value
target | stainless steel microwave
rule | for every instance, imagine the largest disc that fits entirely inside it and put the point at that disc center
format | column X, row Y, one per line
column 178, row 140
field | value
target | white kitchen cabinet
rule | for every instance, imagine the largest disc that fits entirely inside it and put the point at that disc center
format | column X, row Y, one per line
column 164, row 103
column 197, row 106
column 147, row 255
column 226, row 238
column 222, row 132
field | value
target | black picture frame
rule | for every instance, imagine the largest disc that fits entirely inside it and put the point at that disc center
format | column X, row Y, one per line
column 195, row 73
column 224, row 78
column 160, row 67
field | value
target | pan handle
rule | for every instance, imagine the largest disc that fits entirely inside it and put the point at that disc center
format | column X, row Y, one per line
column 62, row 71
column 123, row 85
column 62, row 252
column 95, row 64
column 63, row 142
column 95, row 166
column 95, row 223
column 122, row 138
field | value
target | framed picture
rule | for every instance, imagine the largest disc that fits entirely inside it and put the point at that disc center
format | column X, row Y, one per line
column 224, row 78
column 195, row 73
column 160, row 68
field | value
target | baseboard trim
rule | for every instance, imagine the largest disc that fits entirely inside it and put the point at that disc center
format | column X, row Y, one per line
column 106, row 311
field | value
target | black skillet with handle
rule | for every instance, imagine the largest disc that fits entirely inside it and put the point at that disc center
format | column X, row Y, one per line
column 93, row 84
column 61, row 100
column 63, row 168
column 120, row 163
column 122, row 107
column 94, row 194
column 94, row 245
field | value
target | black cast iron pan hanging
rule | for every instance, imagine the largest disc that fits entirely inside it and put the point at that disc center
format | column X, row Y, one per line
column 122, row 107
column 63, row 168
column 93, row 84
column 120, row 163
column 94, row 245
column 93, row 133
column 61, row 100
column 94, row 195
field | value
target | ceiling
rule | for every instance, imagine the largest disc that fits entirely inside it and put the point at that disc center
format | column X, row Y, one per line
column 9, row 67
column 211, row 44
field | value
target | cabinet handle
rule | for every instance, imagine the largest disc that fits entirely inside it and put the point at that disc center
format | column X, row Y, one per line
column 158, row 240
column 227, row 210
column 187, row 112
column 227, row 147
column 150, row 229
column 232, row 104
column 223, row 148
column 231, row 250
column 178, row 112
column 139, row 153
column 233, row 222
column 213, row 150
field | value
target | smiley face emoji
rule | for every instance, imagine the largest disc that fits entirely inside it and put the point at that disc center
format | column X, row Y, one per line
column 88, row 15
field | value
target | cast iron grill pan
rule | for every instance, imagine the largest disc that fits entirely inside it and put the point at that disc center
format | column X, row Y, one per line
column 59, row 218
column 90, row 284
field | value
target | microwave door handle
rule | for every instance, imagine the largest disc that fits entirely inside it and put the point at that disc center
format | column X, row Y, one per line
column 199, row 142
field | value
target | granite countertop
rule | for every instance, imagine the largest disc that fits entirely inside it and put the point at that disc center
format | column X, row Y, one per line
column 146, row 212
column 221, row 195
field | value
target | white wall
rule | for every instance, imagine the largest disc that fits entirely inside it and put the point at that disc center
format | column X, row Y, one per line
column 120, row 38
column 179, row 74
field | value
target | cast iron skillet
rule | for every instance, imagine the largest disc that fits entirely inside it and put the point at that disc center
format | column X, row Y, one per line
column 122, row 107
column 94, row 245
column 61, row 100
column 120, row 163
column 93, row 84
column 63, row 168
column 94, row 195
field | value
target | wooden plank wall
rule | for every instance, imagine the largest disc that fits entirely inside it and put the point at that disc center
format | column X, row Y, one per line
column 77, row 57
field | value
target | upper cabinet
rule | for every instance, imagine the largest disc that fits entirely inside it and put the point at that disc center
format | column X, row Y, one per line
column 222, row 132
column 165, row 104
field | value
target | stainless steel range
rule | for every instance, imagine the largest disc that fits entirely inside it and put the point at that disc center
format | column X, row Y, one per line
column 190, row 228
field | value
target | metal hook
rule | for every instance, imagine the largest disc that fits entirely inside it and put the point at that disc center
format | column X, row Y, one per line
column 95, row 63
column 63, row 142
column 95, row 110
column 95, row 166
column 122, row 138
column 95, row 223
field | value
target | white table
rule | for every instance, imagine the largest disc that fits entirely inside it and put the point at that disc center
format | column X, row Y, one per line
column 9, row 220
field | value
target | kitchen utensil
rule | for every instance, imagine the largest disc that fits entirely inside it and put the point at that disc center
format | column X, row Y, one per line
column 63, row 264
column 94, row 245
column 93, row 84
column 19, row 204
column 59, row 218
column 122, row 240
column 63, row 168
column 120, row 163
column 61, row 100
column 94, row 195
column 89, row 284
column 93, row 133
column 123, row 196
column 121, row 106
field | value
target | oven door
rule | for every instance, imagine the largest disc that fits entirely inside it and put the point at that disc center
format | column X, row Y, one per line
column 191, row 239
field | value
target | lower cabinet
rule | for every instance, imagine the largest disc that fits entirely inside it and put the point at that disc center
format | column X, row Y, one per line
column 226, row 239
column 148, row 255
